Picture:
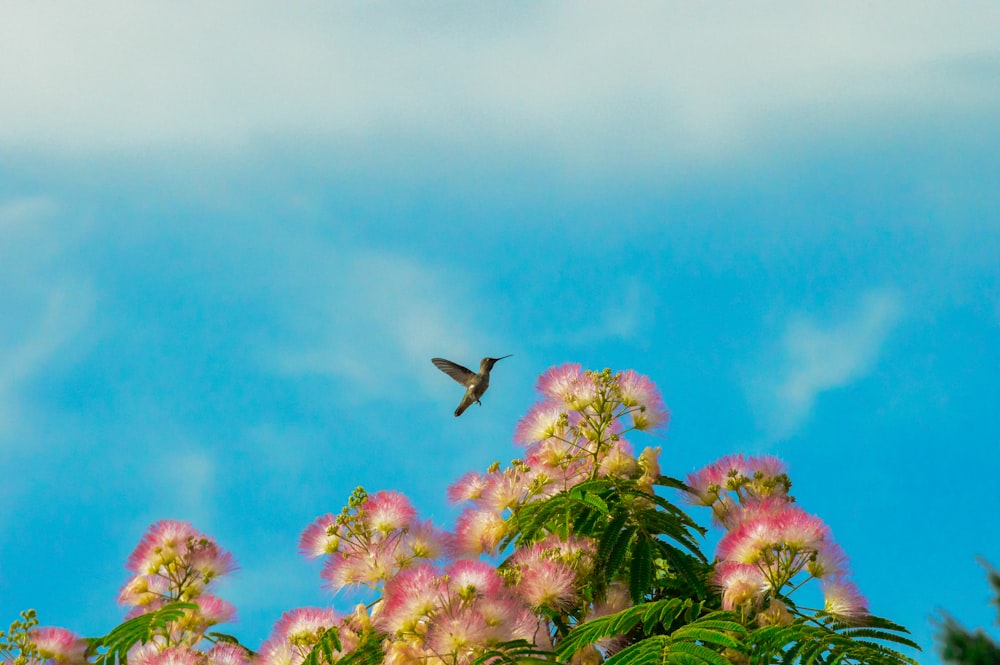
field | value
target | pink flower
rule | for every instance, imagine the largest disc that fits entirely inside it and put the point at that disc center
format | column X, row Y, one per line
column 759, row 474
column 304, row 624
column 410, row 598
column 320, row 537
column 458, row 634
column 577, row 552
column 143, row 590
column 422, row 541
column 160, row 544
column 215, row 610
column 59, row 644
column 504, row 615
column 173, row 561
column 477, row 532
column 767, row 506
column 144, row 654
column 387, row 510
column 504, row 490
column 470, row 579
column 638, row 391
column 618, row 462
column 801, row 530
column 277, row 652
column 568, row 384
column 760, row 537
column 467, row 488
column 741, row 584
column 540, row 423
column 369, row 565
column 547, row 583
column 294, row 635
column 842, row 598
column 831, row 561
column 209, row 559
column 747, row 542
column 176, row 656
column 228, row 654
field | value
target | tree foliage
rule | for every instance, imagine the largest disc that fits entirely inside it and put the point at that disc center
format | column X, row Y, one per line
column 577, row 553
column 963, row 647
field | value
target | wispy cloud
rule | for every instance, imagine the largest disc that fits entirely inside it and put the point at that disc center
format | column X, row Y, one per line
column 42, row 309
column 814, row 357
column 625, row 316
column 378, row 317
column 580, row 84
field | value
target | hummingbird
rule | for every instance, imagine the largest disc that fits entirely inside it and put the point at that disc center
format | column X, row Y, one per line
column 475, row 384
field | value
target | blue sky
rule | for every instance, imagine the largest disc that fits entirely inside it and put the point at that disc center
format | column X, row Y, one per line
column 232, row 237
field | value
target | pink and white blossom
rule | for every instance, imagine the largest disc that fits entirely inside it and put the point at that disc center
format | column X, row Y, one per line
column 59, row 645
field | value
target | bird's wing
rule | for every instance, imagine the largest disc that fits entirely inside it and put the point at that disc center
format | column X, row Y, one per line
column 454, row 370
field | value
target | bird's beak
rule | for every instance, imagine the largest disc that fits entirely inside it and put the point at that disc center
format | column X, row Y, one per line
column 502, row 357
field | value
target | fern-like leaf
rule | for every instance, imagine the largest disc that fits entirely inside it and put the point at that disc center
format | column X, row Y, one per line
column 137, row 630
column 641, row 569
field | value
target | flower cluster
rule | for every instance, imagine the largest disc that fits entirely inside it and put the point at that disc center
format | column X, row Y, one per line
column 25, row 643
column 549, row 574
column 574, row 434
column 771, row 546
column 298, row 631
column 371, row 540
column 432, row 610
column 453, row 615
column 175, row 562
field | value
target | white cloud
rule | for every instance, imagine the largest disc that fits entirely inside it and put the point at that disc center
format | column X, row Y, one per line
column 44, row 309
column 585, row 84
column 816, row 357
column 376, row 320
column 626, row 316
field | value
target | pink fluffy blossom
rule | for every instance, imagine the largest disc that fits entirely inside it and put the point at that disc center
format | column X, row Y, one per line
column 320, row 537
column 569, row 384
column 842, row 598
column 639, row 392
column 305, row 623
column 215, row 610
column 467, row 488
column 228, row 654
column 59, row 644
column 386, row 511
column 161, row 544
column 177, row 656
column 735, row 471
column 477, row 532
column 410, row 598
column 174, row 561
column 547, row 583
column 742, row 584
column 294, row 635
column 469, row 579
column 540, row 423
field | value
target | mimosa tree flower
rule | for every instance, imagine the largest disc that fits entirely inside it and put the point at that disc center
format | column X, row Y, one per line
column 59, row 645
column 372, row 539
column 842, row 598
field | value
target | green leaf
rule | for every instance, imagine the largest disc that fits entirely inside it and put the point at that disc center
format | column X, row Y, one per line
column 512, row 653
column 322, row 651
column 597, row 502
column 137, row 630
column 702, row 653
column 661, row 613
column 618, row 551
column 641, row 570
column 805, row 643
column 647, row 652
